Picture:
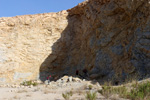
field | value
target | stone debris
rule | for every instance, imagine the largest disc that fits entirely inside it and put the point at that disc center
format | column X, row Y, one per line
column 70, row 79
column 65, row 81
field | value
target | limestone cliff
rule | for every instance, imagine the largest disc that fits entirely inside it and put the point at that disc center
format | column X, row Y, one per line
column 25, row 43
column 109, row 38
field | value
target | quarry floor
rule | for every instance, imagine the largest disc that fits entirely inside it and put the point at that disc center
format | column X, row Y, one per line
column 44, row 92
column 53, row 91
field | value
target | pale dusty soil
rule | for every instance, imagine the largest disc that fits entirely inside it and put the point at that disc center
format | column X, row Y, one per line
column 45, row 92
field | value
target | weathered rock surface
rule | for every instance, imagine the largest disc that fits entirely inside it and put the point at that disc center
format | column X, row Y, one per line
column 109, row 38
column 25, row 42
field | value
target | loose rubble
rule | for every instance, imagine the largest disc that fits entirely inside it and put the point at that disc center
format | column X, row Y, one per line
column 78, row 87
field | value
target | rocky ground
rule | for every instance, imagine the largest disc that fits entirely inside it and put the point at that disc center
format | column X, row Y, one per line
column 53, row 91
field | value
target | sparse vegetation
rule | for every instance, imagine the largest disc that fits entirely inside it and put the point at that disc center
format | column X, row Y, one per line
column 109, row 90
column 132, row 79
column 140, row 91
column 91, row 95
column 90, row 87
column 67, row 95
column 29, row 83
column 137, row 91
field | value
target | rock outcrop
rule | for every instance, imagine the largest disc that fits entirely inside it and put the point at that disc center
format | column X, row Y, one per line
column 25, row 43
column 108, row 38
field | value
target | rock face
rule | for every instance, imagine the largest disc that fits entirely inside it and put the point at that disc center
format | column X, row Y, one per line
column 25, row 41
column 109, row 38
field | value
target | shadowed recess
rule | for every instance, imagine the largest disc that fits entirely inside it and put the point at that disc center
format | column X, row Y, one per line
column 108, row 38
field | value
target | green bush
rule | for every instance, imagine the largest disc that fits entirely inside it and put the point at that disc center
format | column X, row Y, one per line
column 67, row 95
column 140, row 91
column 137, row 91
column 90, row 87
column 91, row 95
column 29, row 83
column 109, row 90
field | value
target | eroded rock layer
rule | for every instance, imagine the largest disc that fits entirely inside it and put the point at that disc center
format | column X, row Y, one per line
column 25, row 42
column 108, row 38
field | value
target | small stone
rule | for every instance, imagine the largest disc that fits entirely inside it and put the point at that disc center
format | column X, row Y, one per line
column 17, row 86
column 39, row 81
column 31, row 86
column 97, row 84
column 52, row 82
column 64, row 84
column 77, row 80
column 65, row 78
column 59, row 81
column 7, row 85
column 46, row 82
column 22, row 86
column 70, row 79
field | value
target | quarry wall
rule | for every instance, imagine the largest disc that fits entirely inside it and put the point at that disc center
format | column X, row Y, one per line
column 109, row 38
column 25, row 41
